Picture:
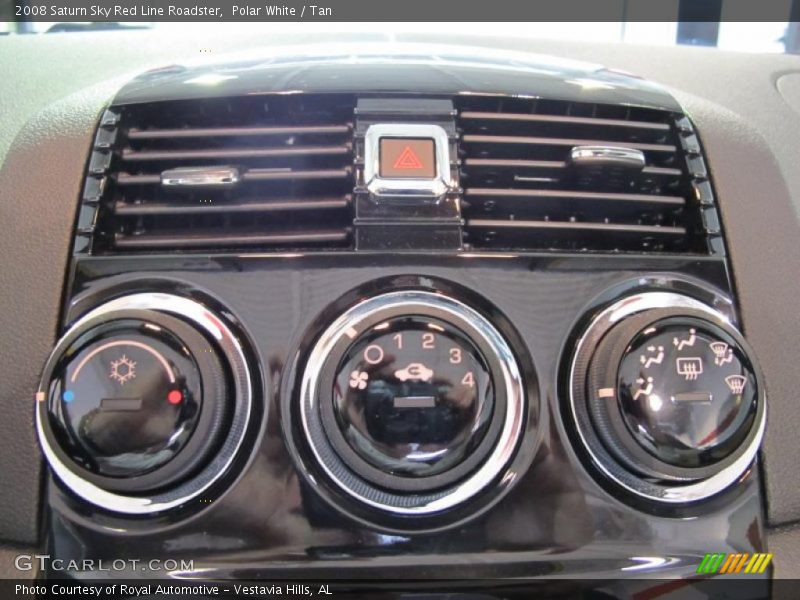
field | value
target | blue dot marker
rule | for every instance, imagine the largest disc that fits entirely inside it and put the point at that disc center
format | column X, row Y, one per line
column 68, row 396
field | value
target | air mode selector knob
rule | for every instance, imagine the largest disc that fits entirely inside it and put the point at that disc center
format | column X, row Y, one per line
column 668, row 397
column 675, row 396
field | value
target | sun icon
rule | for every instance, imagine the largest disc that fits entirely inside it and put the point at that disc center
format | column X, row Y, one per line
column 123, row 369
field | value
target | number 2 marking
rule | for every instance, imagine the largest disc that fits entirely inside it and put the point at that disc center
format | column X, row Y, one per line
column 427, row 341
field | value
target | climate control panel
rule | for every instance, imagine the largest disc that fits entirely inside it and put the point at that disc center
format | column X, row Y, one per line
column 408, row 404
column 696, row 406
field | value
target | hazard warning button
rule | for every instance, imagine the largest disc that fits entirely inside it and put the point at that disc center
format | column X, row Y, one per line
column 406, row 158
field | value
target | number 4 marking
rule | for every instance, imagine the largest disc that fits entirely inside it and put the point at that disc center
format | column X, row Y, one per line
column 469, row 379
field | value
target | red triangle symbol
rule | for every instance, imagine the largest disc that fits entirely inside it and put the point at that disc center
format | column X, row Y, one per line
column 407, row 160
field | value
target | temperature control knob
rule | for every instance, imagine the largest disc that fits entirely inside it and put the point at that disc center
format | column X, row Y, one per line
column 138, row 400
column 668, row 398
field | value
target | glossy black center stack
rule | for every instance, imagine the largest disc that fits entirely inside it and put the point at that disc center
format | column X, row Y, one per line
column 533, row 243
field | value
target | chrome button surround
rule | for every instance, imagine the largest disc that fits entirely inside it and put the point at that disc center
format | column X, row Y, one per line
column 425, row 187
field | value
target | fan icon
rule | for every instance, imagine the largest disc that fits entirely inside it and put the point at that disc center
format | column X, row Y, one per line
column 123, row 370
column 358, row 380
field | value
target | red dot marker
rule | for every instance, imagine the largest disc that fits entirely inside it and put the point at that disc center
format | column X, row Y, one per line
column 174, row 397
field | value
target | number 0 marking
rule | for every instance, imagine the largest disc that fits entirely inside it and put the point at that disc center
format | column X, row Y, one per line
column 427, row 341
column 373, row 354
column 469, row 379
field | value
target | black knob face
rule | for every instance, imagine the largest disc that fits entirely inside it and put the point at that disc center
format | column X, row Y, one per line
column 144, row 403
column 137, row 403
column 413, row 396
column 128, row 399
column 411, row 403
column 687, row 392
column 667, row 398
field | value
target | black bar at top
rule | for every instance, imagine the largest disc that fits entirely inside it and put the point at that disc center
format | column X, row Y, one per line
column 65, row 11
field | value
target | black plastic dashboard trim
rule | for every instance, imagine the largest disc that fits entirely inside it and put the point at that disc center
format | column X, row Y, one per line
column 426, row 70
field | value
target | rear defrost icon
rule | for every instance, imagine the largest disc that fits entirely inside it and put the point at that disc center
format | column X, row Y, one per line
column 691, row 368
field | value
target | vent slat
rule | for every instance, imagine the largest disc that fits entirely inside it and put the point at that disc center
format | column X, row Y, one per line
column 252, row 175
column 272, row 174
column 530, row 193
column 502, row 163
column 291, row 204
column 575, row 226
column 183, row 240
column 128, row 179
column 662, row 171
column 214, row 153
column 547, row 141
column 515, row 164
column 534, row 118
column 157, row 134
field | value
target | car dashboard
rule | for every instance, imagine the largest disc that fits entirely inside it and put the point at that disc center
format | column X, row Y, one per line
column 363, row 311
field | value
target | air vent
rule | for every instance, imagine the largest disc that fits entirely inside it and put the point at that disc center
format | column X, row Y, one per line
column 568, row 176
column 257, row 172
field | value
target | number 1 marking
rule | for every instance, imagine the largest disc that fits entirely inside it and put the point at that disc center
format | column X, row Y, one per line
column 398, row 338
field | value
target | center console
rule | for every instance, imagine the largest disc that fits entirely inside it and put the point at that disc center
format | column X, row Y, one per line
column 478, row 325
